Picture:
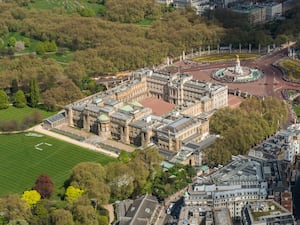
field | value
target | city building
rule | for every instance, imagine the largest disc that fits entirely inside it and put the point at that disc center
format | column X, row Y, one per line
column 266, row 212
column 284, row 145
column 257, row 12
column 286, row 200
column 254, row 13
column 224, row 3
column 117, row 113
column 141, row 211
column 167, row 2
column 222, row 217
column 231, row 187
column 199, row 5
column 273, row 10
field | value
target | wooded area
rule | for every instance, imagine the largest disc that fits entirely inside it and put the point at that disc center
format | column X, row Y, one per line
column 106, row 43
column 240, row 129
column 90, row 186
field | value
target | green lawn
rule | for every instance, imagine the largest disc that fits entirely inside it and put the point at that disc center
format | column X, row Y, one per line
column 21, row 163
column 69, row 5
column 223, row 57
column 18, row 114
column 19, row 37
column 291, row 67
column 64, row 59
column 296, row 108
column 146, row 22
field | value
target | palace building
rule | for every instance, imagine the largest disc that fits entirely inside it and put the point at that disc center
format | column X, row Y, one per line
column 117, row 113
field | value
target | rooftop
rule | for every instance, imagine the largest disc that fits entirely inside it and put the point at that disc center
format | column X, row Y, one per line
column 222, row 217
column 242, row 168
column 267, row 208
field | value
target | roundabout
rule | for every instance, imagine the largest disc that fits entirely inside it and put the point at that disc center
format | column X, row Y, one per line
column 237, row 74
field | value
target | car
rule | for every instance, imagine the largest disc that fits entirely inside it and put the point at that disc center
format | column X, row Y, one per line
column 169, row 209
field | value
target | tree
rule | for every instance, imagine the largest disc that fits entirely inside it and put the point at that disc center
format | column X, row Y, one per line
column 103, row 220
column 14, row 86
column 61, row 217
column 40, row 213
column 47, row 46
column 31, row 197
column 1, row 43
column 44, row 185
column 26, row 42
column 4, row 102
column 242, row 128
column 86, row 12
column 152, row 159
column 20, row 99
column 65, row 93
column 18, row 222
column 90, row 176
column 85, row 214
column 141, row 175
column 11, row 42
column 76, row 72
column 34, row 93
column 14, row 208
column 19, row 46
column 40, row 49
column 124, row 157
column 72, row 193
column 120, row 179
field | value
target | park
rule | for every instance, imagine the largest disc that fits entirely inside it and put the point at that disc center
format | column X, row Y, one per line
column 22, row 162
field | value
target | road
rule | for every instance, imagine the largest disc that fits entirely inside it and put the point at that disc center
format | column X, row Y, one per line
column 271, row 84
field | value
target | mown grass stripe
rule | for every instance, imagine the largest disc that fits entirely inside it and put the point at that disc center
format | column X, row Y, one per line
column 21, row 163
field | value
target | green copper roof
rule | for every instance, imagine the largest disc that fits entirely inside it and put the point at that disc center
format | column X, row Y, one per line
column 136, row 104
column 127, row 108
column 204, row 168
column 186, row 194
column 166, row 165
column 103, row 117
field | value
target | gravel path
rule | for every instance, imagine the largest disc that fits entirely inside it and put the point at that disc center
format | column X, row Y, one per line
column 40, row 129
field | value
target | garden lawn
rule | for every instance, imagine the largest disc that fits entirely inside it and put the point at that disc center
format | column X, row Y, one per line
column 50, row 4
column 291, row 67
column 18, row 114
column 24, row 158
column 297, row 109
column 225, row 57
column 69, row 5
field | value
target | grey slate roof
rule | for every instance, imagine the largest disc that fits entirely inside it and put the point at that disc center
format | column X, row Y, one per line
column 140, row 211
column 56, row 117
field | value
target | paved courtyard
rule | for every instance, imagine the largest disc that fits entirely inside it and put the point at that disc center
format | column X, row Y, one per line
column 158, row 106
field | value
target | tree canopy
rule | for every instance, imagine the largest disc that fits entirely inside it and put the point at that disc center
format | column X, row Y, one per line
column 90, row 177
column 44, row 185
column 20, row 99
column 31, row 197
column 4, row 102
column 242, row 128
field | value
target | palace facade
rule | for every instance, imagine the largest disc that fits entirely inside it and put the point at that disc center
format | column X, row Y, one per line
column 117, row 113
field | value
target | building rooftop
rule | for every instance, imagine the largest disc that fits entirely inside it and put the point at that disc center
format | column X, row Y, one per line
column 238, row 170
column 268, row 210
column 141, row 211
column 103, row 117
column 56, row 117
column 222, row 217
column 127, row 108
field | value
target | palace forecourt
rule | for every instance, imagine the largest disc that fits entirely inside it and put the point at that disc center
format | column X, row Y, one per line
column 118, row 113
